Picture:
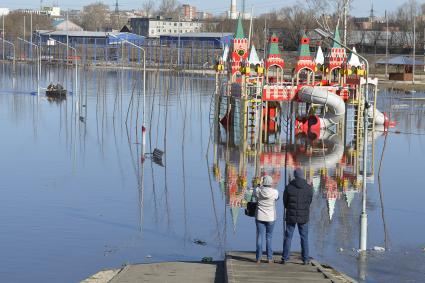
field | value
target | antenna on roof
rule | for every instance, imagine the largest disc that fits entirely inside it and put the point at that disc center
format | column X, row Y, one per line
column 372, row 12
column 117, row 10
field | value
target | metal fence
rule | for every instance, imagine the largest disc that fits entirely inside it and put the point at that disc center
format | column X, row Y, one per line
column 159, row 53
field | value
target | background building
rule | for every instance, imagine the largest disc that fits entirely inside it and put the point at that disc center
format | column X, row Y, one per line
column 204, row 15
column 63, row 25
column 214, row 39
column 233, row 13
column 4, row 11
column 188, row 12
column 156, row 27
column 51, row 11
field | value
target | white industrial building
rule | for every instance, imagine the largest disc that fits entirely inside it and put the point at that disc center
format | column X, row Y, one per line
column 233, row 13
column 155, row 27
column 4, row 11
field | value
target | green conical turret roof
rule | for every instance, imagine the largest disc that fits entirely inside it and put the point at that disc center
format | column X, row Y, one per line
column 304, row 48
column 274, row 45
column 337, row 38
column 239, row 30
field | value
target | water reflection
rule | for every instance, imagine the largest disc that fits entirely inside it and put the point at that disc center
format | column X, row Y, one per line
column 247, row 146
column 332, row 166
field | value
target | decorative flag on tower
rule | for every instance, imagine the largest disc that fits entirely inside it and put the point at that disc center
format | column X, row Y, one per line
column 353, row 60
column 320, row 58
column 253, row 57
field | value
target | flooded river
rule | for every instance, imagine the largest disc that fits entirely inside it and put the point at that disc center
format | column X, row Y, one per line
column 78, row 196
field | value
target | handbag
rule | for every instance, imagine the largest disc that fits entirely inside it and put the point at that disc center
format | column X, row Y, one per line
column 251, row 207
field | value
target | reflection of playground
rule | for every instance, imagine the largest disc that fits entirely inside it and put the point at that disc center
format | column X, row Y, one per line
column 265, row 123
column 332, row 167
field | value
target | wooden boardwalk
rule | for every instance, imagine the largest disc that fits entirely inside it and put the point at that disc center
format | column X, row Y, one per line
column 241, row 267
column 237, row 267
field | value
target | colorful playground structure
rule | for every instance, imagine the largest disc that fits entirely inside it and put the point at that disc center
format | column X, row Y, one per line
column 267, row 122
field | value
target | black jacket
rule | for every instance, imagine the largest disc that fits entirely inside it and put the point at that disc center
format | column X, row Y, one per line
column 297, row 198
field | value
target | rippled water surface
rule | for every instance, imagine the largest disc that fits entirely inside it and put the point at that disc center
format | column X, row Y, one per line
column 77, row 198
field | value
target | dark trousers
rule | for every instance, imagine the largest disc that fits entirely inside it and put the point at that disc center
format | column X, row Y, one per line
column 289, row 231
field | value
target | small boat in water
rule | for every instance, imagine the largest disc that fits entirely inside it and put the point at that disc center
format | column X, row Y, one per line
column 56, row 91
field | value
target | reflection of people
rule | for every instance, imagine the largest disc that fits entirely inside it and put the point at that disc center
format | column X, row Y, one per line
column 297, row 198
column 265, row 216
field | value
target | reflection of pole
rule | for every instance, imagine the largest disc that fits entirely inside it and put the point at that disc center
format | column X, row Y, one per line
column 38, row 62
column 362, row 266
column 30, row 35
column 381, row 194
column 2, row 33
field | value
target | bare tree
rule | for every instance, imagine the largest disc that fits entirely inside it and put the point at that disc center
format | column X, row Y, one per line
column 296, row 19
column 13, row 24
column 96, row 17
column 328, row 13
column 148, row 8
column 169, row 8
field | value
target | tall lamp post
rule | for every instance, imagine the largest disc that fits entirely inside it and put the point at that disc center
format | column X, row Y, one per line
column 143, row 122
column 14, row 51
column 363, row 216
column 52, row 41
column 38, row 62
column 144, row 79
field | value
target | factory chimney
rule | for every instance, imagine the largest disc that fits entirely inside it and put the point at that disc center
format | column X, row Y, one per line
column 233, row 13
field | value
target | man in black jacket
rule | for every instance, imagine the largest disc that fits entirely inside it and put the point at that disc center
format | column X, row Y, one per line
column 297, row 198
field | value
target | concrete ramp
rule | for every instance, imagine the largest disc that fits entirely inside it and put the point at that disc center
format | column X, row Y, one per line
column 171, row 272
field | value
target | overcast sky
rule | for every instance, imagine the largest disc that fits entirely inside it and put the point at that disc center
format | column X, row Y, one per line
column 360, row 7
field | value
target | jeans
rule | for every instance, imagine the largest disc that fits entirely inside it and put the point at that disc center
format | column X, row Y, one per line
column 289, row 231
column 267, row 228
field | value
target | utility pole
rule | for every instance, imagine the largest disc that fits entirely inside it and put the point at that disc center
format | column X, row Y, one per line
column 117, row 15
column 178, row 45
column 414, row 46
column 265, row 38
column 347, row 2
column 386, row 47
column 67, row 38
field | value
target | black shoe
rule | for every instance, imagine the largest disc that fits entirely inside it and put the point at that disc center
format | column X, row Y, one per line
column 282, row 261
column 307, row 262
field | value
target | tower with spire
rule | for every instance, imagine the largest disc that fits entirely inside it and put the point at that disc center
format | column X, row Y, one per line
column 240, row 50
column 274, row 58
column 337, row 55
column 304, row 60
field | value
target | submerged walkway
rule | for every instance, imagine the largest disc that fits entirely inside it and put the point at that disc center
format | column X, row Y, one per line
column 237, row 267
column 241, row 267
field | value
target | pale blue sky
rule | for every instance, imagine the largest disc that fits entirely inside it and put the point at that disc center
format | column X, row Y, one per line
column 360, row 7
